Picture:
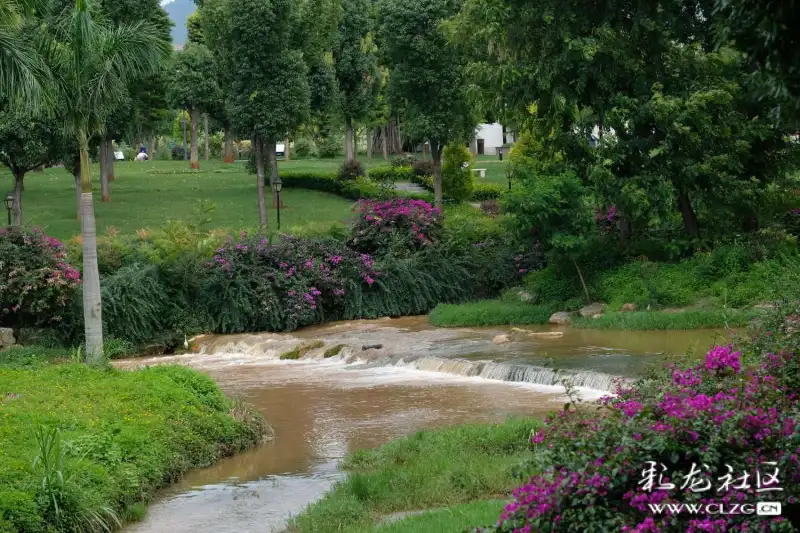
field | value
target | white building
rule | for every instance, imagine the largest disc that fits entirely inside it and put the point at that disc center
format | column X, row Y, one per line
column 490, row 137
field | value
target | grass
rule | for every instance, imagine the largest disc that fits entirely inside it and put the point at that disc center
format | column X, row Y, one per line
column 453, row 519
column 660, row 320
column 149, row 194
column 489, row 313
column 105, row 439
column 301, row 349
column 334, row 350
column 430, row 469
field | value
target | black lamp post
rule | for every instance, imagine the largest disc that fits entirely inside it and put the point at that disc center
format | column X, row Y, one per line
column 9, row 201
column 183, row 122
column 276, row 186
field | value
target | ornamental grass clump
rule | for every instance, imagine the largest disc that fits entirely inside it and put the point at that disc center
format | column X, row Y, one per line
column 398, row 225
column 722, row 432
column 36, row 281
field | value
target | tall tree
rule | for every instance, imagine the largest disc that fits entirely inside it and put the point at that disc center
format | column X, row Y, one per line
column 194, row 88
column 26, row 144
column 427, row 78
column 356, row 68
column 93, row 63
column 269, row 95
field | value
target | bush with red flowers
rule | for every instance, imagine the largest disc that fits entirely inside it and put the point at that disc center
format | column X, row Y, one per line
column 36, row 282
column 395, row 225
column 720, row 435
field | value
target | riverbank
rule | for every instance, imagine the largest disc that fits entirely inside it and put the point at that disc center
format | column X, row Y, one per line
column 465, row 469
column 87, row 447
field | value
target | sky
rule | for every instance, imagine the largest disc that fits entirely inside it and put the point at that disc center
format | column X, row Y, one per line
column 165, row 2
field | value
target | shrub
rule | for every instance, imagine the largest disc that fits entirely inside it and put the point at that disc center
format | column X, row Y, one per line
column 490, row 207
column 486, row 191
column 423, row 167
column 304, row 147
column 404, row 160
column 36, row 282
column 395, row 225
column 705, row 424
column 330, row 146
column 350, row 170
column 177, row 153
column 457, row 179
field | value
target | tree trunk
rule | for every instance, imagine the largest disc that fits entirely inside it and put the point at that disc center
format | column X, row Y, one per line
column 369, row 144
column 150, row 148
column 110, row 159
column 19, row 176
column 195, row 157
column 385, row 142
column 436, row 150
column 348, row 140
column 227, row 154
column 258, row 152
column 273, row 176
column 105, row 196
column 689, row 217
column 287, row 156
column 583, row 283
column 92, row 305
column 77, row 177
column 205, row 127
column 424, row 151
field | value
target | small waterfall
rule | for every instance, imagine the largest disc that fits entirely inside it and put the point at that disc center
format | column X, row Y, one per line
column 512, row 372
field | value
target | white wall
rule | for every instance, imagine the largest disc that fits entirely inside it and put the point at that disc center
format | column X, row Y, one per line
column 492, row 135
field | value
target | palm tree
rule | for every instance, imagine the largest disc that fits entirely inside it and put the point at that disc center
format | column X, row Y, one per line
column 92, row 64
column 24, row 76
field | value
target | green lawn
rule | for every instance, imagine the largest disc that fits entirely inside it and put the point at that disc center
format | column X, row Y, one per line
column 149, row 194
column 452, row 471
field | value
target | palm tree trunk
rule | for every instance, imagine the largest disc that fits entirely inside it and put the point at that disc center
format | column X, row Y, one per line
column 195, row 157
column 227, row 154
column 92, row 306
column 77, row 177
column 105, row 196
column 111, row 159
column 19, row 176
column 258, row 152
column 273, row 177
column 205, row 127
column 436, row 150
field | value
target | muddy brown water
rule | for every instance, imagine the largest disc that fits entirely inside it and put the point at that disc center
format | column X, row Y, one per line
column 321, row 409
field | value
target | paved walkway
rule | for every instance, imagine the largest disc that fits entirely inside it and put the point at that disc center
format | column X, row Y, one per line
column 409, row 187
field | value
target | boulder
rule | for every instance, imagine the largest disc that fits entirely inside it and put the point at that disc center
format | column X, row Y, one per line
column 500, row 339
column 595, row 317
column 562, row 317
column 7, row 337
column 628, row 308
column 592, row 309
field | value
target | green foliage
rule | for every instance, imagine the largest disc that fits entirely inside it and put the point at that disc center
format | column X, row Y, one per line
column 404, row 160
column 36, row 282
column 329, row 146
column 269, row 94
column 423, row 168
column 418, row 472
column 660, row 320
column 113, row 454
column 350, row 170
column 489, row 313
column 195, row 83
column 27, row 143
column 333, row 351
column 302, row 349
column 427, row 80
column 304, row 147
column 486, row 191
column 395, row 226
column 390, row 174
column 457, row 179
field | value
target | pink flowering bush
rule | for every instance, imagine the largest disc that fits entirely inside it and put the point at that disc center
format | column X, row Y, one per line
column 722, row 431
column 395, row 225
column 36, row 282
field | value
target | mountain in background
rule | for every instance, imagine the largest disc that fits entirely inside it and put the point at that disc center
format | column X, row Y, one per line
column 179, row 11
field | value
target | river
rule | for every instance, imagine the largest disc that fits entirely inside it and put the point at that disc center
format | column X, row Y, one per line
column 421, row 377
